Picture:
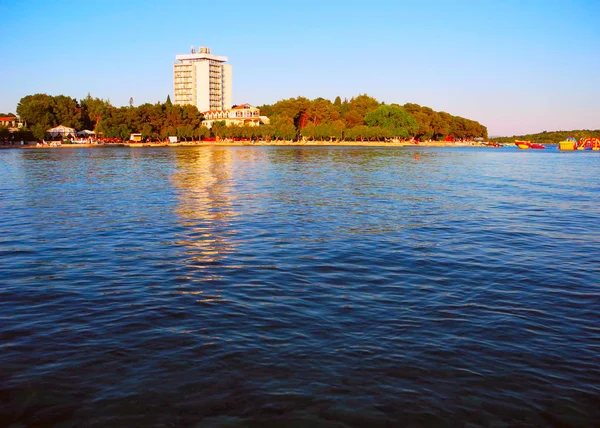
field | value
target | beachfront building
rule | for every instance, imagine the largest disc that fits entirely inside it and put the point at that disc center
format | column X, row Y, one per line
column 202, row 79
column 11, row 122
column 241, row 115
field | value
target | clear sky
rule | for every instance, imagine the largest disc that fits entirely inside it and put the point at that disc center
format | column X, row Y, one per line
column 516, row 66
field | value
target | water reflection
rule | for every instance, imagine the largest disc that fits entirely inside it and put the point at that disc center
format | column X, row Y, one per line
column 203, row 179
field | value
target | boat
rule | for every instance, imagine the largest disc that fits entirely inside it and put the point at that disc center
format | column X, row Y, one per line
column 524, row 145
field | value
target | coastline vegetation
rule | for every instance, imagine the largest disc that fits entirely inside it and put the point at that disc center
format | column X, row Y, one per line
column 553, row 137
column 362, row 118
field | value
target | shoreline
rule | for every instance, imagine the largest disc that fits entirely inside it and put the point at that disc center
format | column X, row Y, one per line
column 263, row 144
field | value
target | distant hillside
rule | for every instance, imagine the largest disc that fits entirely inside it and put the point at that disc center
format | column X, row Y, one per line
column 549, row 137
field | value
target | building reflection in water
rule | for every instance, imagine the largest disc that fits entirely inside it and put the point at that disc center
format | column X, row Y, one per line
column 208, row 202
column 209, row 209
column 203, row 181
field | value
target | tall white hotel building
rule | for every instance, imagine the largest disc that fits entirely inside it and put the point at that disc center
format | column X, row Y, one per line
column 202, row 79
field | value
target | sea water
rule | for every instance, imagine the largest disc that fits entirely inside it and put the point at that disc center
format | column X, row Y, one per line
column 299, row 286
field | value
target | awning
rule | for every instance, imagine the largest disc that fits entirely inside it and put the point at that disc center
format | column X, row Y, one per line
column 61, row 131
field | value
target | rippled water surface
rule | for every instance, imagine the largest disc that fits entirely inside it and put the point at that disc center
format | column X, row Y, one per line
column 298, row 286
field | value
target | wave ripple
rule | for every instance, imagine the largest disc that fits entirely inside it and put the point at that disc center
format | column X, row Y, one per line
column 283, row 286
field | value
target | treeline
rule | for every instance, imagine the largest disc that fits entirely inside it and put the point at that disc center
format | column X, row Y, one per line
column 365, row 118
column 360, row 118
column 553, row 137
column 41, row 112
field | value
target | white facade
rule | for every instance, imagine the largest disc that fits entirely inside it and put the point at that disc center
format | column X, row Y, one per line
column 240, row 115
column 202, row 79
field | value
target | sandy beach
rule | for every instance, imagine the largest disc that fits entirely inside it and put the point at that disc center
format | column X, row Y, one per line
column 32, row 145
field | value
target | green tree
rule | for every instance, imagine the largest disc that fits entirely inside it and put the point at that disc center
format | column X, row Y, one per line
column 338, row 128
column 184, row 132
column 282, row 127
column 358, row 133
column 93, row 109
column 202, row 132
column 458, row 127
column 326, row 131
column 396, row 121
column 67, row 111
column 321, row 110
column 219, row 129
column 294, row 109
column 445, row 124
column 37, row 111
column 353, row 118
column 363, row 104
column 308, row 131
column 439, row 127
column 266, row 110
column 423, row 116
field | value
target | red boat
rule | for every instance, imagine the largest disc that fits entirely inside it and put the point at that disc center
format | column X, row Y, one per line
column 524, row 145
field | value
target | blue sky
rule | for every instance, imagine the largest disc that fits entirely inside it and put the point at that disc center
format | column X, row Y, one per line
column 514, row 66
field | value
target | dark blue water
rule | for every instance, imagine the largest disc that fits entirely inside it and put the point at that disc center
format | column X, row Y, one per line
column 257, row 287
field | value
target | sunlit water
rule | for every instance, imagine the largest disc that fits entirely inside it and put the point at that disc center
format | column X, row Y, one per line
column 298, row 286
